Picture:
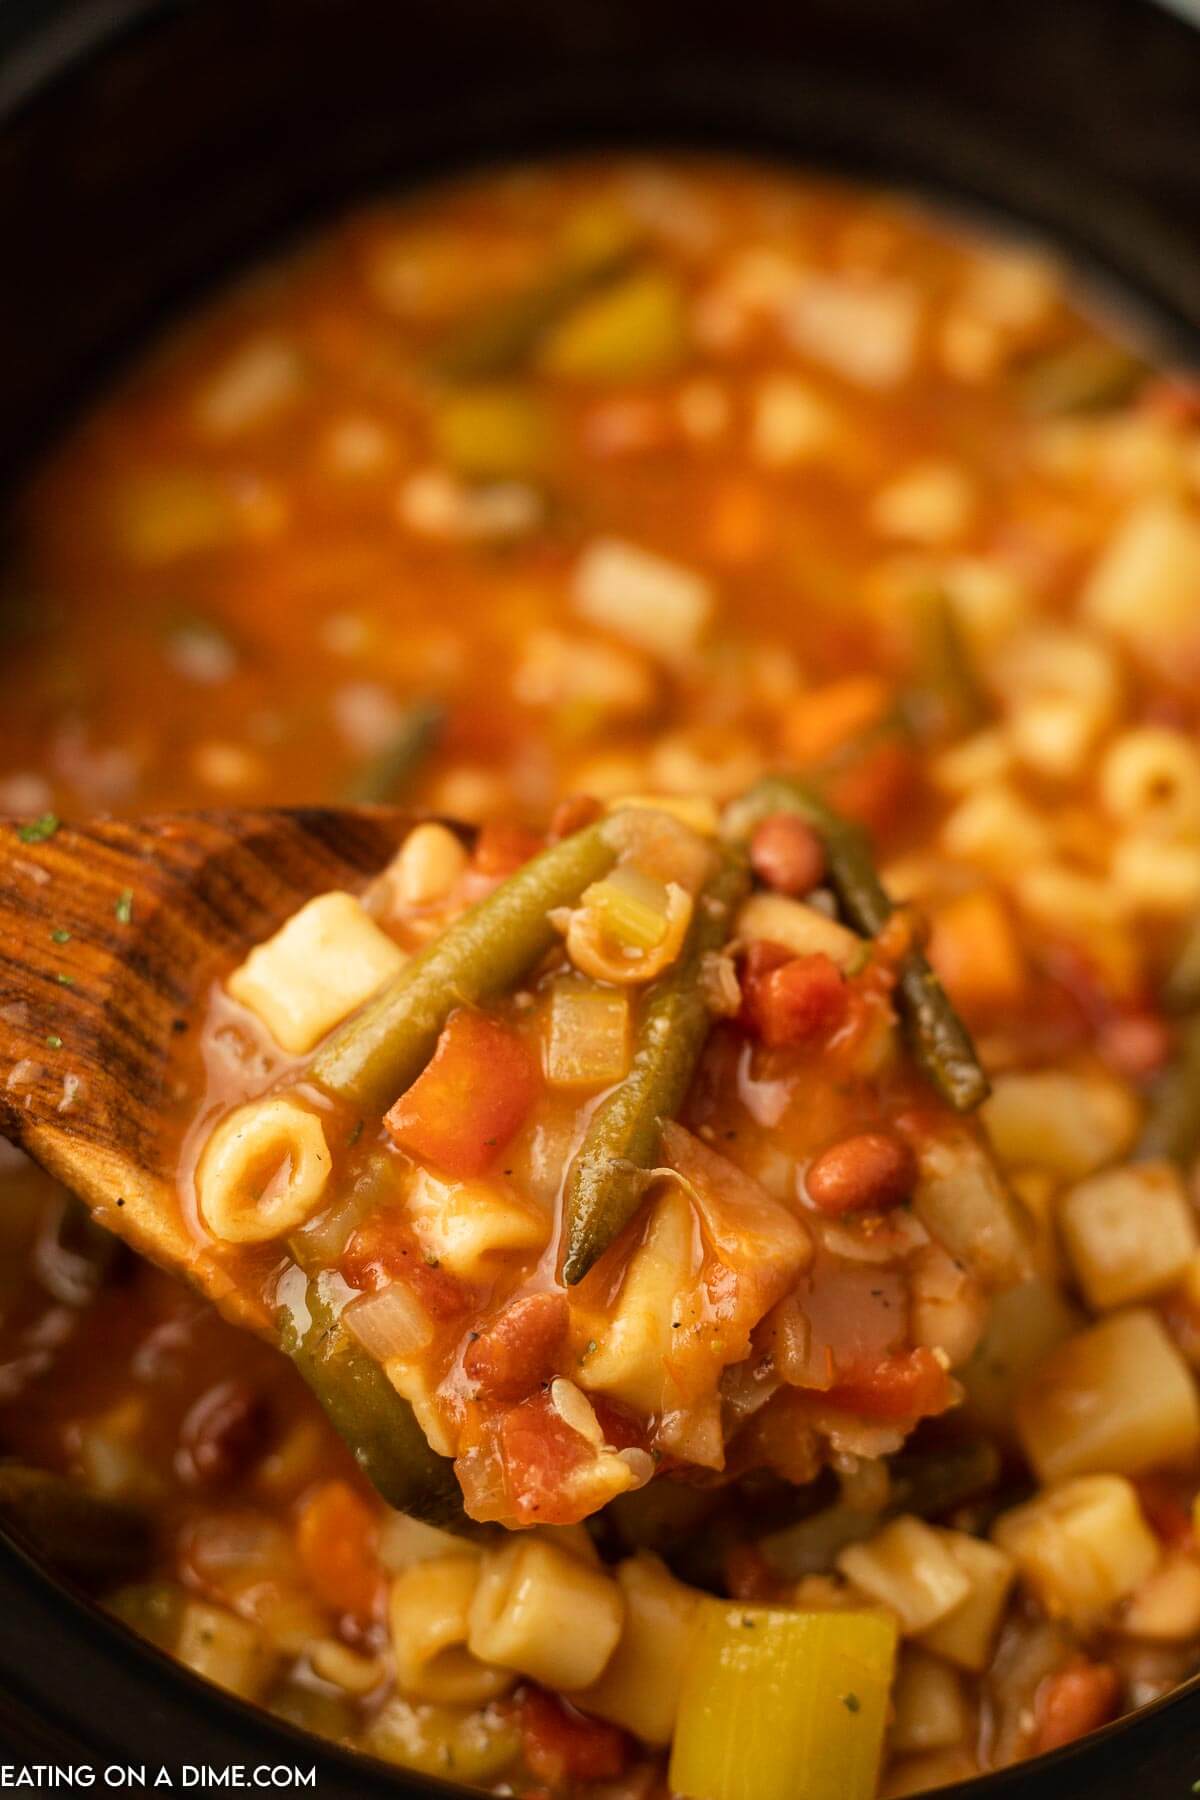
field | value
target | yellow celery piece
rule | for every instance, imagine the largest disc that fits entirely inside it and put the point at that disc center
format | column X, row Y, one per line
column 632, row 907
column 779, row 1705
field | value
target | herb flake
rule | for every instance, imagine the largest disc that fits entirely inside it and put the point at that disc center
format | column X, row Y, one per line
column 36, row 831
column 123, row 910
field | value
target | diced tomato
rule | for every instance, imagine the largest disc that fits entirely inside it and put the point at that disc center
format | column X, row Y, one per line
column 796, row 1001
column 874, row 786
column 572, row 814
column 539, row 1452
column 470, row 1099
column 1072, row 1702
column 561, row 1745
column 335, row 1540
column 516, row 1352
column 910, row 1385
column 384, row 1249
column 501, row 848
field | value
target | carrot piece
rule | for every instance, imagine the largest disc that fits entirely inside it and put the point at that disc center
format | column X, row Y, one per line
column 1072, row 1702
column 469, row 1099
column 975, row 950
column 335, row 1541
column 825, row 718
column 502, row 849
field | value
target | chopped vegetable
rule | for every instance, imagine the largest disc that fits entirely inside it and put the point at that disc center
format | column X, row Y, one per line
column 502, row 336
column 776, row 1704
column 940, row 1040
column 588, row 1038
column 1172, row 1125
column 1086, row 377
column 492, row 433
column 388, row 1444
column 634, row 329
column 608, row 1177
column 36, row 831
column 386, row 775
column 469, row 1100
column 379, row 1052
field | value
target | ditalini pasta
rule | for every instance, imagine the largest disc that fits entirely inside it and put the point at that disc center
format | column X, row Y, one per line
column 727, row 1189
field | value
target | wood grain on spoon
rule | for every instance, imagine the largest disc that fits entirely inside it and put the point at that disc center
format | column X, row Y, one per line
column 111, row 935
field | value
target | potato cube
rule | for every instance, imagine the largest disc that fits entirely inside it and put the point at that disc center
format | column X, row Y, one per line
column 929, row 1710
column 908, row 1567
column 1118, row 1397
column 322, row 964
column 1081, row 1546
column 966, row 1634
column 1129, row 1232
column 1143, row 588
column 1024, row 1325
column 1055, row 1119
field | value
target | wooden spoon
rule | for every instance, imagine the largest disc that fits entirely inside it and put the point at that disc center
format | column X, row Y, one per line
column 112, row 933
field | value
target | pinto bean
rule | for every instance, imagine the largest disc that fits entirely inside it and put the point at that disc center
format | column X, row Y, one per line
column 1073, row 1702
column 787, row 854
column 517, row 1350
column 868, row 1172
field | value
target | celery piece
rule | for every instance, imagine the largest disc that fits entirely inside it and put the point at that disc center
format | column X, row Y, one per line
column 632, row 330
column 632, row 908
column 492, row 433
column 778, row 1704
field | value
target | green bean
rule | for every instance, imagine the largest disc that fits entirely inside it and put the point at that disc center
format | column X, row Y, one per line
column 940, row 1041
column 378, row 1052
column 1181, row 991
column 944, row 697
column 1172, row 1126
column 1080, row 378
column 608, row 1177
column 376, row 1422
column 89, row 1537
column 504, row 335
column 386, row 775
column 926, row 1482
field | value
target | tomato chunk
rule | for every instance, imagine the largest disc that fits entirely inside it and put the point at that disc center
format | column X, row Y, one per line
column 796, row 1001
column 501, row 849
column 470, row 1099
column 910, row 1385
column 561, row 1745
column 540, row 1453
column 516, row 1352
column 335, row 1541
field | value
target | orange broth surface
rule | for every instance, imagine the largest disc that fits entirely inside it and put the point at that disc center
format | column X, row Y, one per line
column 931, row 538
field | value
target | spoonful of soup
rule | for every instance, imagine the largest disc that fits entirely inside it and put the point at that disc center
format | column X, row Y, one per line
column 549, row 1160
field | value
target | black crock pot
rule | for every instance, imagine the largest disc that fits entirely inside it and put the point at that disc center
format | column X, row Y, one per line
column 147, row 147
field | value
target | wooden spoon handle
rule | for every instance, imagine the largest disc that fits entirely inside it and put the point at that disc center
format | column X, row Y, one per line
column 111, row 933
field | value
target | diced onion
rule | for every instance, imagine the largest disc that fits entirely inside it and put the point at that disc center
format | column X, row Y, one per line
column 390, row 1323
